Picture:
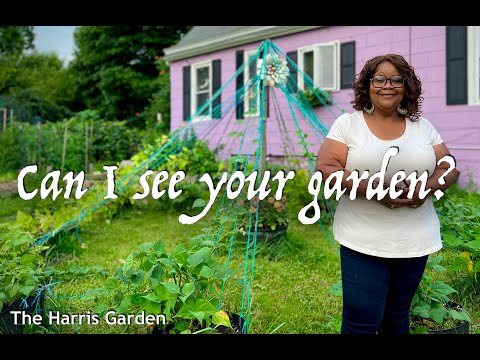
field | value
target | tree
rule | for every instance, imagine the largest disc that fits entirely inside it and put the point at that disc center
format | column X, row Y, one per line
column 159, row 103
column 36, row 84
column 32, row 84
column 115, row 66
column 16, row 39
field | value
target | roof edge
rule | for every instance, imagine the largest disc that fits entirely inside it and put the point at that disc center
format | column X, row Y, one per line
column 224, row 42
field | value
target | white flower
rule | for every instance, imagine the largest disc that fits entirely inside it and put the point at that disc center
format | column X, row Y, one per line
column 276, row 70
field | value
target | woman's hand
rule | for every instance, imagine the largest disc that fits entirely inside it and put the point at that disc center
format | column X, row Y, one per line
column 395, row 203
column 416, row 201
column 399, row 201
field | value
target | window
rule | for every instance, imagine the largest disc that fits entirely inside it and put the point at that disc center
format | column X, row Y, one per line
column 463, row 65
column 473, row 65
column 252, row 95
column 201, row 91
column 321, row 63
column 347, row 65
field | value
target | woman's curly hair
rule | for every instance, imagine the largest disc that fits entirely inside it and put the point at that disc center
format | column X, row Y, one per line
column 412, row 100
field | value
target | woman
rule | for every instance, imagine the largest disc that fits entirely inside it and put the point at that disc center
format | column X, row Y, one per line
column 384, row 243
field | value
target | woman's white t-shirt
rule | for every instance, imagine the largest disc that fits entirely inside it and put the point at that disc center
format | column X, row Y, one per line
column 368, row 226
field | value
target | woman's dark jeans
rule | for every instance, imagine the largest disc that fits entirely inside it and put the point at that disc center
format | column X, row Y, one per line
column 378, row 292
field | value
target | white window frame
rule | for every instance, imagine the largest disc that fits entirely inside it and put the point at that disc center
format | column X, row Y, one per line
column 246, row 80
column 193, row 92
column 316, row 65
column 473, row 65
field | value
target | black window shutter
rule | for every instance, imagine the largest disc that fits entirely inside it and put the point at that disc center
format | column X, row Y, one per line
column 457, row 65
column 292, row 85
column 347, row 65
column 239, row 85
column 186, row 93
column 216, row 84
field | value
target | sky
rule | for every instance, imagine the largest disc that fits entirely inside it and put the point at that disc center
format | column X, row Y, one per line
column 58, row 39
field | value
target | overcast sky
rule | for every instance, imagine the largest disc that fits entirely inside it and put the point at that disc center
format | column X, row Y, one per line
column 58, row 39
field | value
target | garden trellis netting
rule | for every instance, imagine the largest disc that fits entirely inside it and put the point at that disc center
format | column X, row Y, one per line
column 267, row 100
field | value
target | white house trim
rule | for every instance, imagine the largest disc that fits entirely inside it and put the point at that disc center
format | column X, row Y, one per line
column 473, row 65
column 193, row 92
column 315, row 48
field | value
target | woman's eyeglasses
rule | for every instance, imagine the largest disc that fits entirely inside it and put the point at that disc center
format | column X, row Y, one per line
column 379, row 81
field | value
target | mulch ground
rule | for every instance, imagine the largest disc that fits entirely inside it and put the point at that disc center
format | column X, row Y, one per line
column 8, row 188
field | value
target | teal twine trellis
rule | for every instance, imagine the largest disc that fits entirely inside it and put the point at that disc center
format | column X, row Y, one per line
column 182, row 139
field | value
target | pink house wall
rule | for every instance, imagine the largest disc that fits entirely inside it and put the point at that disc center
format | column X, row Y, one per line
column 424, row 47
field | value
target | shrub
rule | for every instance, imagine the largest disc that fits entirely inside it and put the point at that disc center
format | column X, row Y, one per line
column 183, row 285
column 22, row 263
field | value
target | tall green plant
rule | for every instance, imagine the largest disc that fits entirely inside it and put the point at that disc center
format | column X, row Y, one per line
column 459, row 215
column 157, row 113
column 183, row 285
column 194, row 159
column 22, row 263
column 432, row 301
column 44, row 144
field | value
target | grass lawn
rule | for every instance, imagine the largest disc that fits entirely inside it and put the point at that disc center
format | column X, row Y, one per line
column 291, row 279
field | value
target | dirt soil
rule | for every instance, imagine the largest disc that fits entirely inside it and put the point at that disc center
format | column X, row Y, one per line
column 8, row 188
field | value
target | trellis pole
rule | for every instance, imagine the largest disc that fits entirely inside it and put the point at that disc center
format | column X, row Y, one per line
column 86, row 147
column 64, row 150
column 90, row 169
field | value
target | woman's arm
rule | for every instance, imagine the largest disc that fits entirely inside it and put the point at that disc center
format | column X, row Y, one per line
column 332, row 157
column 441, row 150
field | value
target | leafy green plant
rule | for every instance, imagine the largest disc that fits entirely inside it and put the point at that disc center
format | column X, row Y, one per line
column 272, row 213
column 432, row 306
column 183, row 285
column 22, row 262
column 159, row 103
column 459, row 217
column 8, row 176
column 47, row 143
column 11, row 150
column 62, row 215
column 296, row 190
column 191, row 190
column 314, row 97
column 187, row 154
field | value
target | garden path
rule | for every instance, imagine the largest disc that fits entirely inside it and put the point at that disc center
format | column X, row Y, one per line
column 8, row 188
